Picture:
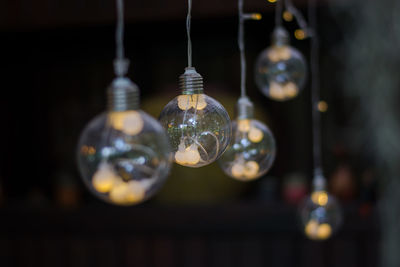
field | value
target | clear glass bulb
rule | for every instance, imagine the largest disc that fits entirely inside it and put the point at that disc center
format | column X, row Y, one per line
column 198, row 126
column 124, row 156
column 321, row 215
column 251, row 152
column 281, row 70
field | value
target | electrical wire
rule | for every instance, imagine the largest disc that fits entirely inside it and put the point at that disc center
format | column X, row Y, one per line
column 278, row 13
column 241, row 49
column 188, row 26
column 297, row 15
column 315, row 89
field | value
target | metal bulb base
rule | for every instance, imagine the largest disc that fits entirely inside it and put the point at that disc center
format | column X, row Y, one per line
column 280, row 37
column 244, row 108
column 191, row 82
column 123, row 95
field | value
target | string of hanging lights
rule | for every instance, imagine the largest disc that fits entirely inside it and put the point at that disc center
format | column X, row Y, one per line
column 251, row 152
column 123, row 154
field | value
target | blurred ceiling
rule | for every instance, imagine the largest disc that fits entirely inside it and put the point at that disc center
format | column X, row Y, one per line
column 24, row 15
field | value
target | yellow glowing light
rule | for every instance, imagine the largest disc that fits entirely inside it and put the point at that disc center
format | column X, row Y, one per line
column 290, row 89
column 272, row 1
column 256, row 16
column 299, row 34
column 255, row 135
column 311, row 229
column 119, row 192
column 136, row 192
column 104, row 178
column 322, row 106
column 287, row 16
column 320, row 198
column 196, row 101
column 276, row 91
column 192, row 155
column 324, row 231
column 251, row 169
column 129, row 122
column 278, row 53
column 244, row 125
column 237, row 170
column 184, row 102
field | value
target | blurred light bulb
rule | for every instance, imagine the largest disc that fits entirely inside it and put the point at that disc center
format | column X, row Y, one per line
column 124, row 154
column 320, row 214
column 281, row 70
column 251, row 152
column 287, row 16
column 197, row 125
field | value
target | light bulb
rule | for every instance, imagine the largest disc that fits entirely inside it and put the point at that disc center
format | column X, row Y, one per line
column 321, row 215
column 197, row 125
column 124, row 154
column 251, row 152
column 281, row 70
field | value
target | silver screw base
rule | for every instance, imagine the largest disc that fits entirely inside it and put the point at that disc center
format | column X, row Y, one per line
column 191, row 82
column 244, row 108
column 280, row 36
column 122, row 95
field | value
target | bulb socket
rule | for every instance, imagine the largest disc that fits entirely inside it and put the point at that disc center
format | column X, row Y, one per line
column 191, row 82
column 244, row 108
column 280, row 37
column 122, row 95
column 319, row 181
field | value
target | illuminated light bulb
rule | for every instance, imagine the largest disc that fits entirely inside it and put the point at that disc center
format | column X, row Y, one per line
column 322, row 106
column 280, row 70
column 244, row 125
column 205, row 123
column 123, row 142
column 300, row 34
column 320, row 213
column 244, row 159
column 324, row 231
column 255, row 135
column 287, row 16
column 251, row 169
column 104, row 178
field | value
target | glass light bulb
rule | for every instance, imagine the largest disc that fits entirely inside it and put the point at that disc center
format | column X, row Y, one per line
column 280, row 72
column 198, row 126
column 251, row 152
column 321, row 215
column 124, row 157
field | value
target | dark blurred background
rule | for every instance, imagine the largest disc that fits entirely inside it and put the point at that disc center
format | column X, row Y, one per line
column 57, row 63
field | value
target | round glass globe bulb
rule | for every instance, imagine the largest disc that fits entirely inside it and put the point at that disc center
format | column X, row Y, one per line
column 321, row 215
column 198, row 127
column 124, row 156
column 251, row 152
column 280, row 72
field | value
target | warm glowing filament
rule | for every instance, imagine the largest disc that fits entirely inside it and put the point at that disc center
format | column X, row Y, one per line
column 104, row 178
column 276, row 91
column 196, row 101
column 136, row 192
column 291, row 90
column 244, row 125
column 189, row 155
column 255, row 135
column 324, row 231
column 130, row 122
column 320, row 198
column 278, row 53
column 251, row 169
